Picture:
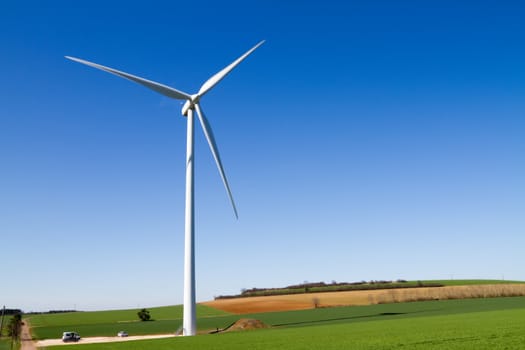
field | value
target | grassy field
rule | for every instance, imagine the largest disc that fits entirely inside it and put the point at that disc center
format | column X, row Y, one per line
column 495, row 323
column 114, row 316
column 5, row 341
column 481, row 323
column 169, row 319
column 107, row 323
column 386, row 311
column 5, row 344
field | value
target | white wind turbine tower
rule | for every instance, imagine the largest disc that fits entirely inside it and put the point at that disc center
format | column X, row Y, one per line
column 192, row 104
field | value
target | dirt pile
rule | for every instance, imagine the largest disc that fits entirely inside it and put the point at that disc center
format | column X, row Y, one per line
column 246, row 324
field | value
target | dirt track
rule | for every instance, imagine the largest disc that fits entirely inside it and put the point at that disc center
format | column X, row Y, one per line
column 93, row 340
column 26, row 341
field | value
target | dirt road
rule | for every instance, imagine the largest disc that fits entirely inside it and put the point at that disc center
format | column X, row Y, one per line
column 93, row 340
column 26, row 340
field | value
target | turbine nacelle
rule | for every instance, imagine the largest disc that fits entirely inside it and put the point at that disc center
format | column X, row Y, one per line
column 190, row 104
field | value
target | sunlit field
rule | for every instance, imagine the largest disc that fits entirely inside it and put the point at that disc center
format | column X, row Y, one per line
column 491, row 323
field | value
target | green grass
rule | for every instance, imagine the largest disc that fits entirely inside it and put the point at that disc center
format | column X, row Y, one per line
column 5, row 343
column 104, row 323
column 208, row 319
column 169, row 319
column 396, row 311
column 94, row 317
column 497, row 329
column 5, row 340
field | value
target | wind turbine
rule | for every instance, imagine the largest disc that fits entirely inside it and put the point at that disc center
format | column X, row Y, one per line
column 191, row 104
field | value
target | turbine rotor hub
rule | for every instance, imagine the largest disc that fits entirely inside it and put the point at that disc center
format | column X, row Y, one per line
column 190, row 104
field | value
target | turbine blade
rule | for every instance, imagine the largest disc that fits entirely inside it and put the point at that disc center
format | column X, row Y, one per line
column 210, row 83
column 160, row 88
column 215, row 151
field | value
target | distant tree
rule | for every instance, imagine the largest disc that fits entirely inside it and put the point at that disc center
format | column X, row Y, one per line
column 144, row 315
column 14, row 328
column 317, row 302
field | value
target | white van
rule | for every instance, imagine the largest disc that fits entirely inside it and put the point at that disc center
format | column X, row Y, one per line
column 70, row 336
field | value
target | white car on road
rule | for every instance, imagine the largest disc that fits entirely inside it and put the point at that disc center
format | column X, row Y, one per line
column 70, row 336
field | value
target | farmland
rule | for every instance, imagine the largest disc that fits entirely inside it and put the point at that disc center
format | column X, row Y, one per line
column 495, row 323
column 320, row 287
column 5, row 340
column 169, row 319
column 108, row 323
column 460, row 315
column 5, row 344
column 365, row 297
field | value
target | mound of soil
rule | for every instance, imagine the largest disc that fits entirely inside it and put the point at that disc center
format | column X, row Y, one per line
column 245, row 324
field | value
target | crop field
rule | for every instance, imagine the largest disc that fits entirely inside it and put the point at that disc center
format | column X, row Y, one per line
column 5, row 341
column 363, row 285
column 108, row 323
column 492, row 323
column 5, row 344
column 472, row 282
column 461, row 315
column 366, row 297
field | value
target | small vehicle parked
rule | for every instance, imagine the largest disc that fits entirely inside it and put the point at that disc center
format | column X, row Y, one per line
column 70, row 336
column 122, row 334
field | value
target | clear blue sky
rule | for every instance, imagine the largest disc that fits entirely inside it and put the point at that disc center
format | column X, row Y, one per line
column 364, row 140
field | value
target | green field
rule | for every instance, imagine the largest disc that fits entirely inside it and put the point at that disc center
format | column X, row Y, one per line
column 486, row 323
column 107, row 323
column 169, row 319
column 496, row 323
column 5, row 341
column 5, row 344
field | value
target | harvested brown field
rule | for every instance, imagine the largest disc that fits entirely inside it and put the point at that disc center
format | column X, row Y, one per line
column 363, row 297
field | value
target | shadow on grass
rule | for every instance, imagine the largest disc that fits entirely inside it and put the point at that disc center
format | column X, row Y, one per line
column 328, row 320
